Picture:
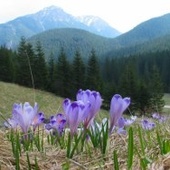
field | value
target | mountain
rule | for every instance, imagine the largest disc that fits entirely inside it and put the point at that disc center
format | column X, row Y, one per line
column 146, row 31
column 98, row 26
column 46, row 19
column 151, row 35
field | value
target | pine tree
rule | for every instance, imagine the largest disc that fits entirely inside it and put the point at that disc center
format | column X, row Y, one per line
column 93, row 79
column 63, row 76
column 40, row 68
column 78, row 73
column 25, row 57
column 7, row 71
column 51, row 74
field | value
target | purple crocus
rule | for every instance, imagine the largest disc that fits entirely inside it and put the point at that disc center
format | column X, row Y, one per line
column 75, row 113
column 38, row 119
column 94, row 98
column 10, row 123
column 128, row 121
column 117, row 106
column 158, row 117
column 57, row 123
column 121, row 126
column 24, row 115
column 147, row 125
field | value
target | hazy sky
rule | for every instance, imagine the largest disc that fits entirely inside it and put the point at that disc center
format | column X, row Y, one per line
column 123, row 15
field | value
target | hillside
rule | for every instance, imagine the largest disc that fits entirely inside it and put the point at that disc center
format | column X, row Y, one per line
column 72, row 39
column 151, row 35
column 11, row 93
column 146, row 31
column 48, row 102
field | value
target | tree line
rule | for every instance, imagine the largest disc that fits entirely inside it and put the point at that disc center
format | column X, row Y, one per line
column 144, row 78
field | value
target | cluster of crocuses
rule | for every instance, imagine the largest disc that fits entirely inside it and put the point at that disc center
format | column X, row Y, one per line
column 75, row 113
column 149, row 125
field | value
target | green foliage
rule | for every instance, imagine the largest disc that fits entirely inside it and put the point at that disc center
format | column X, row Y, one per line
column 73, row 143
column 130, row 149
column 164, row 144
column 143, row 77
column 115, row 160
column 72, row 40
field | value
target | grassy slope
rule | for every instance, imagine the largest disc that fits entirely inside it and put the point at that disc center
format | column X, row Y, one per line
column 11, row 93
column 48, row 103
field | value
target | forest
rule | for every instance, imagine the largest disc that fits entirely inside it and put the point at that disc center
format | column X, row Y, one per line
column 144, row 77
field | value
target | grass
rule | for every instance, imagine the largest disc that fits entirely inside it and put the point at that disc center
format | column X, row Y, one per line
column 11, row 93
column 150, row 149
column 48, row 102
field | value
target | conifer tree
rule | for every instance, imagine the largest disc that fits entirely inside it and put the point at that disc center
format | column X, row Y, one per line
column 93, row 79
column 25, row 57
column 7, row 71
column 63, row 75
column 51, row 74
column 78, row 73
column 40, row 68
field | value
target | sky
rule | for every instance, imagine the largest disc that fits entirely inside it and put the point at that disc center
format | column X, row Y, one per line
column 122, row 15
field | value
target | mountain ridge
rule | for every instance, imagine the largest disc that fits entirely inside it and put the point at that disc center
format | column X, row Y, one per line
column 43, row 20
column 140, row 39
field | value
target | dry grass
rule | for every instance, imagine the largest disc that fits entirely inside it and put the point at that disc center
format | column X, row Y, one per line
column 54, row 158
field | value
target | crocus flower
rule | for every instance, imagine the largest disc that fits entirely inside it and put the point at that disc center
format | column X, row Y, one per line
column 121, row 126
column 38, row 119
column 94, row 98
column 10, row 123
column 147, row 125
column 117, row 106
column 57, row 123
column 75, row 113
column 162, row 119
column 24, row 115
column 122, row 123
column 158, row 117
column 128, row 121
